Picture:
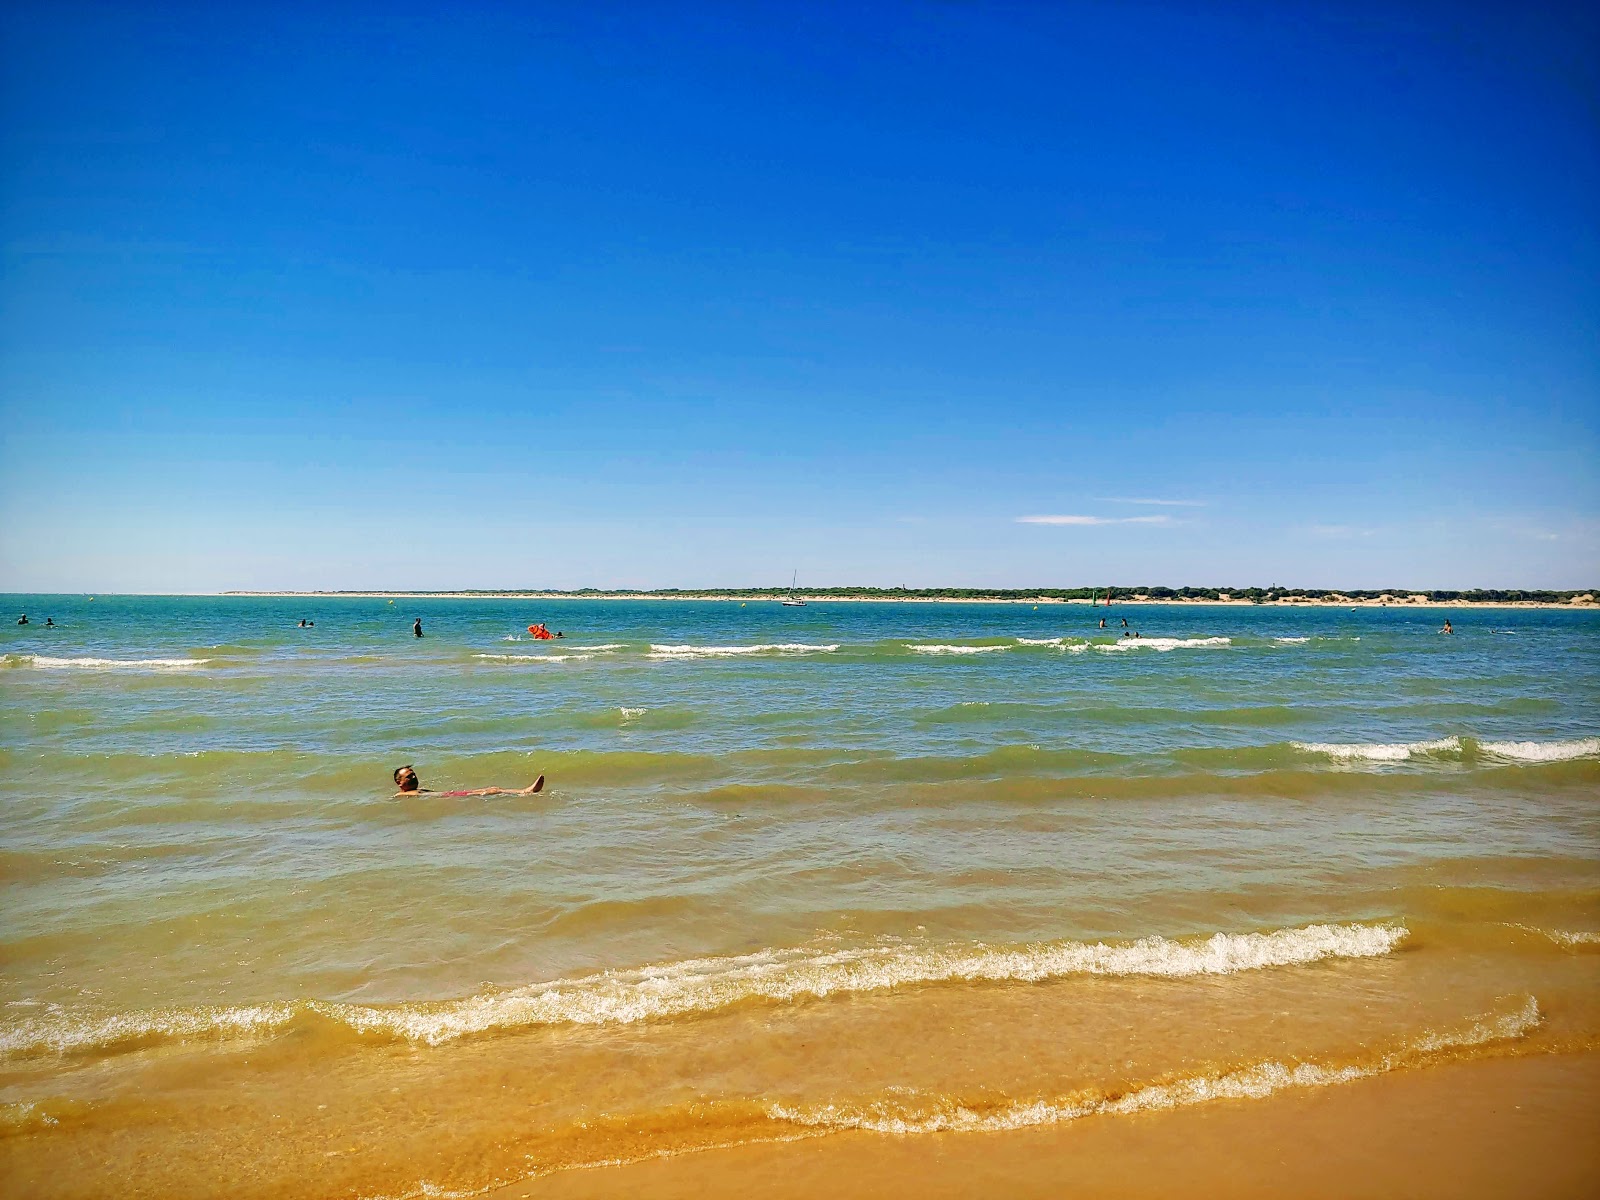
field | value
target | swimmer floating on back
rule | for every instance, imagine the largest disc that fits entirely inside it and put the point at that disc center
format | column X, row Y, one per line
column 406, row 780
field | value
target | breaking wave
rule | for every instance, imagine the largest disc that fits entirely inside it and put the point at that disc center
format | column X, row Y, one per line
column 538, row 658
column 896, row 1114
column 782, row 648
column 1164, row 644
column 1543, row 751
column 696, row 986
column 947, row 649
column 1378, row 751
column 102, row 664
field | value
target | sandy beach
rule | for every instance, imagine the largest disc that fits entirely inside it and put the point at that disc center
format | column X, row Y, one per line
column 1468, row 1131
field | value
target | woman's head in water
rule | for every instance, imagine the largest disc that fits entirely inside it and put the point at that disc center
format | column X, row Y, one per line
column 406, row 779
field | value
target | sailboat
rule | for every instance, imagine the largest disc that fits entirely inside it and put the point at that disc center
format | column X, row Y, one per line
column 794, row 601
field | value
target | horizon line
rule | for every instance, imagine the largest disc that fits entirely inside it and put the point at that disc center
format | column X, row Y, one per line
column 1046, row 590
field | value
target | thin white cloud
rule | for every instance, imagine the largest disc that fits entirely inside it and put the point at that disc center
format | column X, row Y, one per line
column 1340, row 531
column 1151, row 500
column 1070, row 519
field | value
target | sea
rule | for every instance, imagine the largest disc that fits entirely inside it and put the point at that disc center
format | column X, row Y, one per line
column 903, row 869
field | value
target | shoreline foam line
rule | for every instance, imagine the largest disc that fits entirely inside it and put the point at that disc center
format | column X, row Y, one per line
column 1254, row 1082
column 906, row 1112
column 706, row 985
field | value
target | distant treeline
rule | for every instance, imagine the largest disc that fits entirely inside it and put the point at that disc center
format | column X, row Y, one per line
column 1259, row 595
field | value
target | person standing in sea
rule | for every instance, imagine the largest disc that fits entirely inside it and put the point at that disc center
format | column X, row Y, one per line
column 416, row 627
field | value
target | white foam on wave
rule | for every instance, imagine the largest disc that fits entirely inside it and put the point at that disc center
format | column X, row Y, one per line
column 780, row 648
column 107, row 664
column 1570, row 938
column 1164, row 644
column 632, row 714
column 1378, row 751
column 944, row 649
column 1543, row 751
column 65, row 1033
column 535, row 658
column 604, row 647
column 1055, row 641
column 25, row 1116
column 1291, row 641
column 897, row 1114
column 707, row 984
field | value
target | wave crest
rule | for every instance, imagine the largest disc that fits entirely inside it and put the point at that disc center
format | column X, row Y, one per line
column 1543, row 751
column 694, row 986
column 1378, row 751
column 44, row 662
column 1164, row 644
column 783, row 648
column 538, row 658
column 894, row 1114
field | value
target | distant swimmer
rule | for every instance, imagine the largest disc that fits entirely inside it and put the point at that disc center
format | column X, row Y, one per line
column 305, row 624
column 1447, row 628
column 1102, row 622
column 1124, row 622
column 49, row 624
column 416, row 627
column 23, row 619
column 406, row 780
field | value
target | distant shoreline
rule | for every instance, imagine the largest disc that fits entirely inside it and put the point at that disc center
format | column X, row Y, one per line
column 1582, row 601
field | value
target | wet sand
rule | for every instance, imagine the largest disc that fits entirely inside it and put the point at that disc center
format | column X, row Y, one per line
column 1523, row 1127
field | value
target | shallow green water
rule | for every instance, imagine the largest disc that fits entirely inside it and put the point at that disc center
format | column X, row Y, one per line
column 199, row 807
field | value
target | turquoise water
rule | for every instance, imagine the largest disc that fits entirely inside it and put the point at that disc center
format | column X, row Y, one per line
column 200, row 779
column 796, row 870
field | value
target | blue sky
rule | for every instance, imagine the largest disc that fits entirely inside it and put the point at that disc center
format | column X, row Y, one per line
column 516, row 295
